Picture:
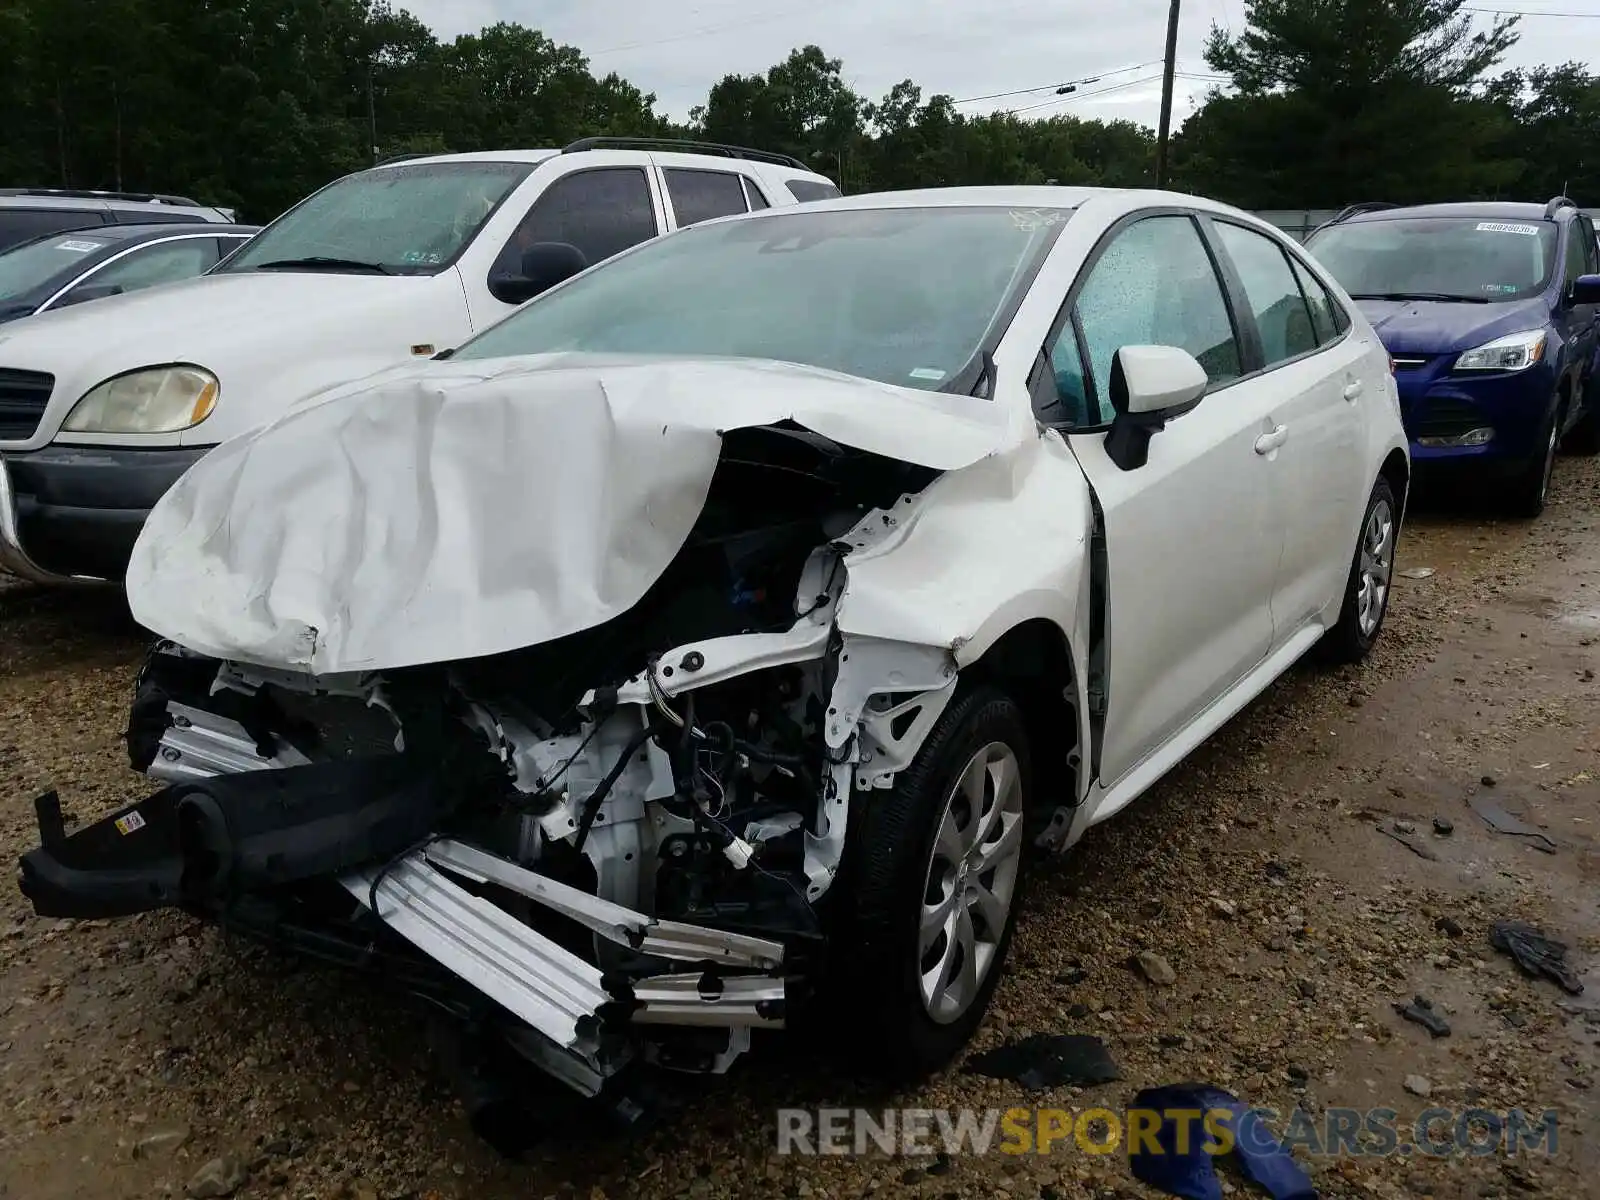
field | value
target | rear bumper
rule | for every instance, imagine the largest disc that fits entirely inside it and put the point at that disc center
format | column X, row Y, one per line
column 71, row 514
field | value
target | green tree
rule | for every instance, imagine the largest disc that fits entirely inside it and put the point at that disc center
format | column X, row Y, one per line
column 1345, row 100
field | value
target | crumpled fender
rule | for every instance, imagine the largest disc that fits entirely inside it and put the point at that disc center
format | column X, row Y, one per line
column 980, row 551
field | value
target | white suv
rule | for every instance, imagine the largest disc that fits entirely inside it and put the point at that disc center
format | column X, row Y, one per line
column 103, row 408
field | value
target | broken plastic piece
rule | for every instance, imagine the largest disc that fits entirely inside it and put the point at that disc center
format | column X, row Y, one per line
column 1420, row 1012
column 1046, row 1060
column 1535, row 953
column 1499, row 820
column 1185, row 1163
column 1408, row 841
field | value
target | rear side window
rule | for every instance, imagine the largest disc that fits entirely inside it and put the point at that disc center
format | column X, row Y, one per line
column 1320, row 302
column 1273, row 293
column 20, row 224
column 809, row 189
column 701, row 195
column 752, row 193
column 602, row 212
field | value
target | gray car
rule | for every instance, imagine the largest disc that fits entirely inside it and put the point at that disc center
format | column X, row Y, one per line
column 27, row 213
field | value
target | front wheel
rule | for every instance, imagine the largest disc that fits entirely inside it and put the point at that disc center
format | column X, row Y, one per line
column 939, row 871
column 1366, row 593
column 1531, row 486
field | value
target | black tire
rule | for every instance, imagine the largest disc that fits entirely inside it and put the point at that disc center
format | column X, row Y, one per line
column 1351, row 639
column 893, row 840
column 1529, row 489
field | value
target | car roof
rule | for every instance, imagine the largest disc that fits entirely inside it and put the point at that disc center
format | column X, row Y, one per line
column 1472, row 210
column 111, row 239
column 87, row 200
column 531, row 157
column 157, row 229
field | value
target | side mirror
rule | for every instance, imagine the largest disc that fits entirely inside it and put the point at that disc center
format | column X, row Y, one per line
column 1586, row 289
column 544, row 264
column 84, row 294
column 1150, row 385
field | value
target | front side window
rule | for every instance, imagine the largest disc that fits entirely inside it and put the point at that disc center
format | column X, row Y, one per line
column 149, row 266
column 1155, row 285
column 53, row 259
column 1439, row 258
column 701, row 195
column 1577, row 255
column 602, row 212
column 906, row 296
column 1270, row 288
column 412, row 219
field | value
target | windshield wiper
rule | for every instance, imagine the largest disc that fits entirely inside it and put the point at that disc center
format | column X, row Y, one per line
column 315, row 262
column 1447, row 296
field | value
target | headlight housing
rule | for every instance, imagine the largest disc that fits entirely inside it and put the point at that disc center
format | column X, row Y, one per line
column 151, row 400
column 1514, row 352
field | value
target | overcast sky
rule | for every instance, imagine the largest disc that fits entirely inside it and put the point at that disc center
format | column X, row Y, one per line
column 965, row 48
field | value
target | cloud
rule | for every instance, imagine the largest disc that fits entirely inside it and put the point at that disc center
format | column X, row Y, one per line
column 964, row 48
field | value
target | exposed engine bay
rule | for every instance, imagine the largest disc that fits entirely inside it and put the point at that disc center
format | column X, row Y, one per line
column 616, row 845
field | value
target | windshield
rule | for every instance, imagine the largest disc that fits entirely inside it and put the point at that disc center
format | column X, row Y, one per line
column 33, row 264
column 405, row 220
column 1457, row 258
column 906, row 296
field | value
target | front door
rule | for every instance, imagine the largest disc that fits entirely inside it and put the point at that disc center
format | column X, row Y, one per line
column 1193, row 537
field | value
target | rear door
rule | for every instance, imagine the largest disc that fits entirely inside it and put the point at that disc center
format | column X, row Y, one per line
column 1317, row 378
column 1193, row 536
column 696, row 194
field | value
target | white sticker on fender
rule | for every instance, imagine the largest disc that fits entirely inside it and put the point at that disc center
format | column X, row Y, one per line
column 129, row 823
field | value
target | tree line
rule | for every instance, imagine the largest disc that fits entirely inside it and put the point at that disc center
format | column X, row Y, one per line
column 254, row 103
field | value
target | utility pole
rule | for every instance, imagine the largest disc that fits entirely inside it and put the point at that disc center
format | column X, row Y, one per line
column 1165, row 133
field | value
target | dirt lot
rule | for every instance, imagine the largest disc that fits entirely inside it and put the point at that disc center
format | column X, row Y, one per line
column 133, row 1053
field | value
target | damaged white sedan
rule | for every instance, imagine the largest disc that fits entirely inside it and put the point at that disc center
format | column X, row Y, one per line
column 734, row 620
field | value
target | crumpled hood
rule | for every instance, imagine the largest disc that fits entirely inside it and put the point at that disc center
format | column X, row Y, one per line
column 1428, row 327
column 465, row 509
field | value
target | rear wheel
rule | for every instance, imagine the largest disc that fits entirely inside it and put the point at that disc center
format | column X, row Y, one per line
column 1366, row 593
column 1530, row 488
column 939, row 871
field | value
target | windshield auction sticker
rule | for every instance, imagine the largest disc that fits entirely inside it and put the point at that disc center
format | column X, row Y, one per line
column 1507, row 227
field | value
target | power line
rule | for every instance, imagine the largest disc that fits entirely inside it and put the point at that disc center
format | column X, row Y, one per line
column 1512, row 12
column 1116, row 87
column 1052, row 86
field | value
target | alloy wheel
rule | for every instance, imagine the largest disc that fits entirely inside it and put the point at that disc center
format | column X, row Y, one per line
column 971, row 882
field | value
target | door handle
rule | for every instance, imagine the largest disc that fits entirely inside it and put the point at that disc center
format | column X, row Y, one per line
column 1268, row 442
column 1353, row 389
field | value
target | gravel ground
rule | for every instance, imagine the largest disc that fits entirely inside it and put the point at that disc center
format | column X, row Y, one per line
column 135, row 1055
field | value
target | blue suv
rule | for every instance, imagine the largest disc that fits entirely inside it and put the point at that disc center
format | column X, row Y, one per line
column 1491, row 316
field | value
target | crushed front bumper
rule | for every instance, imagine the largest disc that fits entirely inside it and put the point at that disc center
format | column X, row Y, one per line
column 248, row 850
